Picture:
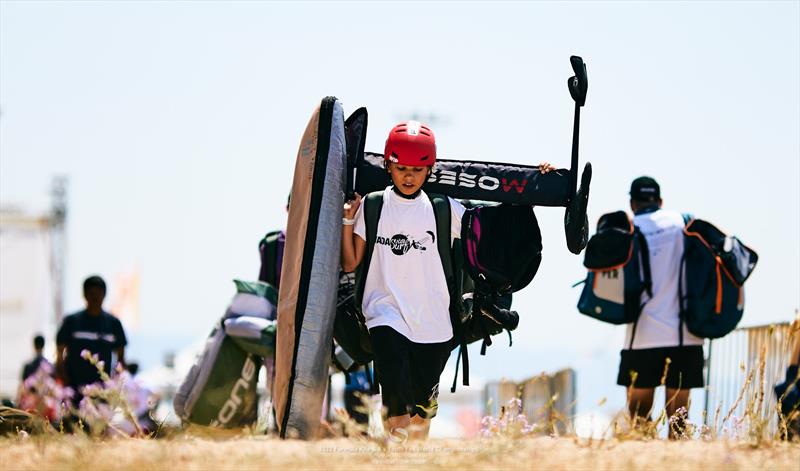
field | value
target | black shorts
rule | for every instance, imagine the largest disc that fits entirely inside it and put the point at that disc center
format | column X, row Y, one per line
column 685, row 368
column 408, row 372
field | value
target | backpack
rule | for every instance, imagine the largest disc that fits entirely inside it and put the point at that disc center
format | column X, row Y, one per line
column 373, row 204
column 619, row 271
column 502, row 251
column 271, row 250
column 352, row 345
column 714, row 269
column 502, row 247
column 220, row 388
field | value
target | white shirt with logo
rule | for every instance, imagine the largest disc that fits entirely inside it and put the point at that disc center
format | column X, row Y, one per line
column 405, row 287
column 659, row 321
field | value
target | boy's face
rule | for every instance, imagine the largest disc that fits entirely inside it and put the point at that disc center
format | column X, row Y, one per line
column 408, row 179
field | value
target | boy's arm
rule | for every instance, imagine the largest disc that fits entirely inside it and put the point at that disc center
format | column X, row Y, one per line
column 352, row 245
column 352, row 249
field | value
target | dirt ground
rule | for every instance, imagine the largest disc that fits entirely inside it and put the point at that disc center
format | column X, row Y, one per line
column 56, row 452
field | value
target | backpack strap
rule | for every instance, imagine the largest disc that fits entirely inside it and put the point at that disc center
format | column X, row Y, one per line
column 633, row 333
column 687, row 218
column 644, row 258
column 373, row 205
column 269, row 254
column 441, row 212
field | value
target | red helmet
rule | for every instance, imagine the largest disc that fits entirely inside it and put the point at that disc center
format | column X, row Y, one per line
column 411, row 143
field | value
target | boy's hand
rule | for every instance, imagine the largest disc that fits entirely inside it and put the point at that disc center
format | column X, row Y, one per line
column 351, row 207
column 545, row 167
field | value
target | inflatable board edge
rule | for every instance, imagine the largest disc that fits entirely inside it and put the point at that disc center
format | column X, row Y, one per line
column 318, row 179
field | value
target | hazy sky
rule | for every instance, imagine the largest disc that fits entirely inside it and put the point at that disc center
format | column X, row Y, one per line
column 178, row 123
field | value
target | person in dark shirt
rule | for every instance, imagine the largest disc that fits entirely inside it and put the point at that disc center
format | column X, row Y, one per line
column 91, row 329
column 32, row 366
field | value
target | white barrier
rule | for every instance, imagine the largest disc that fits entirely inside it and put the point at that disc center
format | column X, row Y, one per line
column 735, row 379
column 547, row 398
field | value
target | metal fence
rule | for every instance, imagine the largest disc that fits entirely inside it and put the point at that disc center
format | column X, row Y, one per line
column 547, row 398
column 735, row 380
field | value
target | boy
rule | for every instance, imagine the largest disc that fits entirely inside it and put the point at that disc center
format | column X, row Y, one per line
column 406, row 300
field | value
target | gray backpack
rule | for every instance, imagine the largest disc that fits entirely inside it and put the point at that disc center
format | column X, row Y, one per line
column 220, row 389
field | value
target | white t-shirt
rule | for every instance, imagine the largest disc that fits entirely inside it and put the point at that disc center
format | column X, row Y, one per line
column 405, row 287
column 659, row 320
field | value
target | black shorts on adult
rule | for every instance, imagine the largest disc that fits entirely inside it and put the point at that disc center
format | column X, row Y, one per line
column 685, row 368
column 408, row 372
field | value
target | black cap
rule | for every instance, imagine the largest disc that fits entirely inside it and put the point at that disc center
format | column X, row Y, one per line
column 645, row 189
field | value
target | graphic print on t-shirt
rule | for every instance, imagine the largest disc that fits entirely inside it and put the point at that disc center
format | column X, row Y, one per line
column 400, row 244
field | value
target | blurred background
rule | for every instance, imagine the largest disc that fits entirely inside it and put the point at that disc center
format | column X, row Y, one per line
column 154, row 144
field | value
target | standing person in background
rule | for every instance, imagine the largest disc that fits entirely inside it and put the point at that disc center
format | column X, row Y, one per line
column 36, row 376
column 91, row 329
column 32, row 366
column 658, row 347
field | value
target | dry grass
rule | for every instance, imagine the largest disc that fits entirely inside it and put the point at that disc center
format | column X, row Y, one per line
column 185, row 452
column 509, row 443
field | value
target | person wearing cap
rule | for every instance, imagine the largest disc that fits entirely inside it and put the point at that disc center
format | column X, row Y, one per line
column 659, row 349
